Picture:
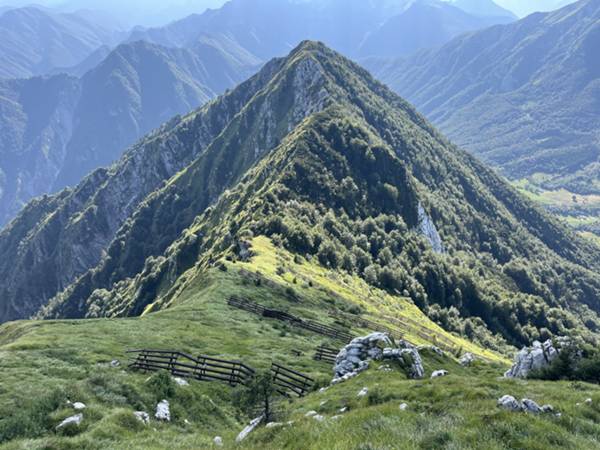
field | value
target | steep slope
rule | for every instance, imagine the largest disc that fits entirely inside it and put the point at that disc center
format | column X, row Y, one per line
column 331, row 165
column 58, row 238
column 56, row 130
column 424, row 24
column 44, row 363
column 269, row 28
column 522, row 96
column 33, row 41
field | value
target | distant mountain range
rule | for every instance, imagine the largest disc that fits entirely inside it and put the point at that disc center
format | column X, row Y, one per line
column 58, row 129
column 55, row 130
column 356, row 28
column 525, row 96
column 34, row 41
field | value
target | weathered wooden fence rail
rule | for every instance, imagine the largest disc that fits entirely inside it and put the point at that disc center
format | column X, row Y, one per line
column 315, row 327
column 201, row 368
column 289, row 382
column 326, row 354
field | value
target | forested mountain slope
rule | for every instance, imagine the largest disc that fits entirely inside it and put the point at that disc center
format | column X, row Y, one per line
column 524, row 96
column 318, row 156
column 55, row 130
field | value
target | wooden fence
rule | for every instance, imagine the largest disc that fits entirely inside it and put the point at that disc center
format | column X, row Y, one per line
column 289, row 382
column 315, row 327
column 201, row 368
column 326, row 354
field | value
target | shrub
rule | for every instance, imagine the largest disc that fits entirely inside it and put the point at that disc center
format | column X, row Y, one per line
column 161, row 385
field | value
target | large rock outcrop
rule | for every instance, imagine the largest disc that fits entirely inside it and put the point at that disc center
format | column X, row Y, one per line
column 355, row 357
column 536, row 357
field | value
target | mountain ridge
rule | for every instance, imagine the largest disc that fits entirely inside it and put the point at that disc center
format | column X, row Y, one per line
column 354, row 159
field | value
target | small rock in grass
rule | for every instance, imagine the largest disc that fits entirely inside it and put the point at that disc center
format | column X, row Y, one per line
column 73, row 420
column 163, row 411
column 343, row 410
column 319, row 418
column 246, row 431
column 531, row 406
column 466, row 360
column 310, row 414
column 142, row 416
column 439, row 373
column 323, row 389
column 78, row 406
column 403, row 407
column 588, row 401
column 115, row 363
column 559, row 415
column 547, row 409
column 274, row 425
column 323, row 403
column 364, row 391
column 180, row 381
column 336, row 417
column 510, row 403
column 218, row 441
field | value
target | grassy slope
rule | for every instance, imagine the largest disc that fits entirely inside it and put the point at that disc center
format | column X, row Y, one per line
column 43, row 363
column 582, row 212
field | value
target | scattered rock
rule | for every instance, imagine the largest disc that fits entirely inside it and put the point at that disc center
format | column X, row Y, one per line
column 323, row 389
column 163, row 411
column 527, row 405
column 336, row 417
column 73, row 420
column 536, row 357
column 78, row 406
column 531, row 406
column 364, row 391
column 115, row 363
column 467, row 359
column 323, row 403
column 439, row 373
column 310, row 414
column 353, row 358
column 246, row 431
column 142, row 416
column 559, row 415
column 319, row 418
column 218, row 441
column 431, row 348
column 403, row 406
column 343, row 410
column 510, row 403
column 180, row 381
column 274, row 425
column 588, row 401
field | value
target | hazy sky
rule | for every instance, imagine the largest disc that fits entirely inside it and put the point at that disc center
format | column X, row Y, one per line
column 155, row 12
